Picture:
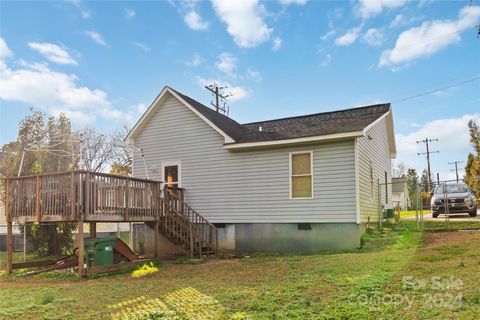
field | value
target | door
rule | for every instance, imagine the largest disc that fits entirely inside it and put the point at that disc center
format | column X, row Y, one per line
column 171, row 174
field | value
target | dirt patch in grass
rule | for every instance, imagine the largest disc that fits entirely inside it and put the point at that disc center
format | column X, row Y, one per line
column 442, row 239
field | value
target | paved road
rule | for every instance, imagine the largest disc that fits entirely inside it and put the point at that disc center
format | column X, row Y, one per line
column 427, row 215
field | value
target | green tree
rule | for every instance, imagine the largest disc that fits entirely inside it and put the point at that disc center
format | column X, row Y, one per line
column 412, row 186
column 46, row 146
column 424, row 181
column 472, row 168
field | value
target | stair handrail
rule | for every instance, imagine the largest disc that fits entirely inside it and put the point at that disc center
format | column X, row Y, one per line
column 194, row 217
column 187, row 227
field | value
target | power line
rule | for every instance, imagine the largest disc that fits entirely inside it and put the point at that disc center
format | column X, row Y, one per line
column 436, row 90
column 406, row 93
column 456, row 167
column 426, row 141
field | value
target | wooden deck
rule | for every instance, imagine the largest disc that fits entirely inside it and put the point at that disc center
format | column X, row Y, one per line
column 82, row 195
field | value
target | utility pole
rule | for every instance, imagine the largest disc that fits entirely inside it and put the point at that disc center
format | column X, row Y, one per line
column 220, row 98
column 426, row 141
column 456, row 167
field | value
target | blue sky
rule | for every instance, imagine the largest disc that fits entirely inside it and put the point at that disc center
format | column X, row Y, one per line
column 103, row 63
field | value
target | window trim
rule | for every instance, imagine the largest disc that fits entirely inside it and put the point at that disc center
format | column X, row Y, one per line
column 168, row 164
column 290, row 174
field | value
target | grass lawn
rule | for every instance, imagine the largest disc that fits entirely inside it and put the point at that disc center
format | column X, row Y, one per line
column 390, row 277
column 411, row 213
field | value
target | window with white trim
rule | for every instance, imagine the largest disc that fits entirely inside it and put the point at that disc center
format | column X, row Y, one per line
column 301, row 175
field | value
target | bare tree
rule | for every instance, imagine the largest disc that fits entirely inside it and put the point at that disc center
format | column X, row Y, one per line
column 399, row 169
column 122, row 154
column 94, row 149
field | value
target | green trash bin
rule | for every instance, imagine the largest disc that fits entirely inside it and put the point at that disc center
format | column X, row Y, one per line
column 100, row 251
column 389, row 214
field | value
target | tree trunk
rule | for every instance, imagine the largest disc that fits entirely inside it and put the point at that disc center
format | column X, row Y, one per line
column 53, row 243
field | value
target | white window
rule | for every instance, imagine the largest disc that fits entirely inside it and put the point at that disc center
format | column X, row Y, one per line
column 301, row 175
column 172, row 173
column 371, row 181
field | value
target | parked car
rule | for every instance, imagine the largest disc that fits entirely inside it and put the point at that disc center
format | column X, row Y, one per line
column 460, row 200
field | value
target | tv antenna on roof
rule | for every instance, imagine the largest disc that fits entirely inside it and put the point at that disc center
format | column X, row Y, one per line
column 220, row 102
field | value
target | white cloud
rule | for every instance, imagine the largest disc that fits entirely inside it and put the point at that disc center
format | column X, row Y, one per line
column 237, row 92
column 288, row 2
column 453, row 142
column 95, row 36
column 194, row 21
column 401, row 20
column 37, row 85
column 195, row 61
column 244, row 21
column 398, row 21
column 330, row 33
column 374, row 37
column 141, row 108
column 5, row 51
column 227, row 63
column 143, row 46
column 429, row 38
column 371, row 8
column 86, row 14
column 52, row 52
column 75, row 2
column 254, row 75
column 277, row 44
column 130, row 13
column 348, row 38
column 326, row 61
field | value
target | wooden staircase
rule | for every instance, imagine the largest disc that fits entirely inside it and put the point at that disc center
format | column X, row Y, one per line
column 184, row 227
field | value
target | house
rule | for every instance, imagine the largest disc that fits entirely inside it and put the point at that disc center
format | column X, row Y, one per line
column 299, row 184
column 400, row 192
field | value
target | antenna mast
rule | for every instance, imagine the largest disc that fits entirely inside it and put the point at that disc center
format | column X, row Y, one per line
column 220, row 102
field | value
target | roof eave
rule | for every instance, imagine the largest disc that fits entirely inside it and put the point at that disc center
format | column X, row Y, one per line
column 284, row 142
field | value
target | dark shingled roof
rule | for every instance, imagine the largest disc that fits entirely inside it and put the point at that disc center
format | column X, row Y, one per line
column 342, row 121
column 349, row 120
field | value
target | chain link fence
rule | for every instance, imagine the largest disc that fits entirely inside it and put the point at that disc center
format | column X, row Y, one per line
column 439, row 203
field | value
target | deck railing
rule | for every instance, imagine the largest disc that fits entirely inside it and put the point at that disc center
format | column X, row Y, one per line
column 82, row 195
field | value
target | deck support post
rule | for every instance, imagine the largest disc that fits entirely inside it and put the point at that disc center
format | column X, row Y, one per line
column 81, row 262
column 8, row 215
column 157, row 237
column 9, row 246
column 38, row 213
column 92, row 229
column 191, row 241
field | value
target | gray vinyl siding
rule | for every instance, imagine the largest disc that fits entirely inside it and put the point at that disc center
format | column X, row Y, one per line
column 247, row 186
column 376, row 150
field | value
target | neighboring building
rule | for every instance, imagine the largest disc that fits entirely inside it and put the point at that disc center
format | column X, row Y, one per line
column 400, row 192
column 299, row 184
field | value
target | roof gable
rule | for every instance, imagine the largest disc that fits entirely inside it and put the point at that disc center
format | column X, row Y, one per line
column 222, row 126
